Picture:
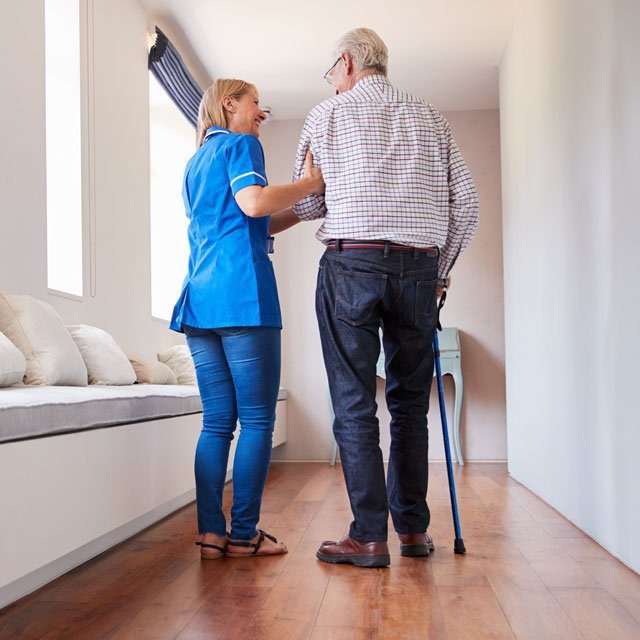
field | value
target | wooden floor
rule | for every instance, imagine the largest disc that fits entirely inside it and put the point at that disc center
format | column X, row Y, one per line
column 528, row 574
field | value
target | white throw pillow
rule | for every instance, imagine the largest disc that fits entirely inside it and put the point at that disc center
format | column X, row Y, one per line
column 37, row 330
column 104, row 359
column 13, row 365
column 152, row 372
column 179, row 360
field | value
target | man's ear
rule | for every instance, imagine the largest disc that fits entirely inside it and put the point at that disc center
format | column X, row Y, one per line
column 348, row 63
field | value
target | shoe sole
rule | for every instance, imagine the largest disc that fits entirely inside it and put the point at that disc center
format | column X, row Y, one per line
column 255, row 555
column 205, row 556
column 416, row 550
column 369, row 561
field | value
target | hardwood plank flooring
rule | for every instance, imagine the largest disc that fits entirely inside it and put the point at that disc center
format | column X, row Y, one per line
column 529, row 574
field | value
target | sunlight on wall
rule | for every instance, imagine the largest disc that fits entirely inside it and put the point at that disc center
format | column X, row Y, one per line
column 172, row 143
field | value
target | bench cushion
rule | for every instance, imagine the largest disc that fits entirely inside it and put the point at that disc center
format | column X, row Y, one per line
column 105, row 361
column 13, row 364
column 37, row 330
column 27, row 411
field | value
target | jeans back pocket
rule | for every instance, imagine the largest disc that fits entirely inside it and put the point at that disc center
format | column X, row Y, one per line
column 357, row 295
column 426, row 304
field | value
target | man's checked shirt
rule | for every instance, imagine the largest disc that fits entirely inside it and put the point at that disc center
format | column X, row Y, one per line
column 392, row 170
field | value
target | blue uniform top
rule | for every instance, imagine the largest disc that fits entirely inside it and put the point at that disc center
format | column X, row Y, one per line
column 230, row 282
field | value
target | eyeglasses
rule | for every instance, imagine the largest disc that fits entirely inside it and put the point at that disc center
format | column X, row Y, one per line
column 326, row 76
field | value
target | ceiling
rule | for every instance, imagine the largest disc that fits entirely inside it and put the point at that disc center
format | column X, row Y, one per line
column 445, row 51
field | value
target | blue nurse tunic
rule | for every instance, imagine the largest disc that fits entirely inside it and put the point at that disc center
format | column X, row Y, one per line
column 230, row 280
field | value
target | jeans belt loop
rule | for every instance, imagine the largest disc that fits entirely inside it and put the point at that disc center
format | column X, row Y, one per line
column 339, row 245
column 387, row 249
column 416, row 253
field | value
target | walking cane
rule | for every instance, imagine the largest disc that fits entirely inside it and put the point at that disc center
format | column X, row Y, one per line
column 458, row 543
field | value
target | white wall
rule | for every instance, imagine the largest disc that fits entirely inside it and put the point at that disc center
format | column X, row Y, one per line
column 23, row 223
column 475, row 306
column 570, row 98
column 122, row 304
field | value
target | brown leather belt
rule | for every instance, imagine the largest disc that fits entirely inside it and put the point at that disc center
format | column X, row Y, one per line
column 379, row 244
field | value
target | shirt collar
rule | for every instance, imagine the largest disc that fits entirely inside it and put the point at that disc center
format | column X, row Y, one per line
column 375, row 79
column 213, row 130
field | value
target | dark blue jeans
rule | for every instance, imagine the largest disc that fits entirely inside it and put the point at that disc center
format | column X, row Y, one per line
column 358, row 291
column 238, row 372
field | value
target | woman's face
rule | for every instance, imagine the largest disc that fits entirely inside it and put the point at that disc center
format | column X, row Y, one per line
column 244, row 115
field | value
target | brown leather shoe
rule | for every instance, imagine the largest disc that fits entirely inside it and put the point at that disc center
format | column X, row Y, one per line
column 350, row 551
column 415, row 545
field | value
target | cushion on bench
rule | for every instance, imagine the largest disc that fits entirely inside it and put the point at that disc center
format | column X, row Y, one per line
column 37, row 330
column 27, row 411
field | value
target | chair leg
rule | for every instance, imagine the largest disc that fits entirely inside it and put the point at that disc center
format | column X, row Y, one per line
column 334, row 445
column 457, row 411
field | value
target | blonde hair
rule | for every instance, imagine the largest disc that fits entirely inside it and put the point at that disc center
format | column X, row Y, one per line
column 367, row 49
column 211, row 112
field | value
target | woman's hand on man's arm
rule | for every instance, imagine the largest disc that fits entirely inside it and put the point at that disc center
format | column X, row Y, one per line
column 313, row 175
column 256, row 201
column 282, row 221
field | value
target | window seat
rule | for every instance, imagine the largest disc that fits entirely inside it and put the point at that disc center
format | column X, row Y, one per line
column 30, row 412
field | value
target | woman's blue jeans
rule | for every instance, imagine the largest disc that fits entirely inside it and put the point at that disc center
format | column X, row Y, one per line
column 238, row 372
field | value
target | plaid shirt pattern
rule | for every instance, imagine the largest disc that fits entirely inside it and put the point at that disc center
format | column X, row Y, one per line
column 392, row 169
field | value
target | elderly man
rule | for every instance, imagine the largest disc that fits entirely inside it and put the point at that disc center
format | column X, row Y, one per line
column 399, row 207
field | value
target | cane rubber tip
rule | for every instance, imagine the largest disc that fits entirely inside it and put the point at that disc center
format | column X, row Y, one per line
column 458, row 546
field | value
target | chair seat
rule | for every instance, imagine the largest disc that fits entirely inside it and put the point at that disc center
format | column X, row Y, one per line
column 449, row 342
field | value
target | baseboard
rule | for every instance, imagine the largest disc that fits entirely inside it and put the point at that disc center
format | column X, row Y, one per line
column 593, row 537
column 38, row 578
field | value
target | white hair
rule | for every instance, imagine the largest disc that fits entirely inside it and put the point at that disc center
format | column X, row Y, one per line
column 367, row 49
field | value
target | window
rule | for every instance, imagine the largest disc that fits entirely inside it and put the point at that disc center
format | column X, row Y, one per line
column 172, row 143
column 63, row 145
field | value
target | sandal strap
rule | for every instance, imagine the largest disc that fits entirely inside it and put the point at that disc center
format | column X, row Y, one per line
column 263, row 535
column 267, row 535
column 255, row 545
column 260, row 541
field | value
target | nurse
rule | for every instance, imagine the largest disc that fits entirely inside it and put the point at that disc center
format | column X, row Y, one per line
column 230, row 313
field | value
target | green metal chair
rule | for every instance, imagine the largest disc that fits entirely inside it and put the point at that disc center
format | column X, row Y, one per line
column 451, row 365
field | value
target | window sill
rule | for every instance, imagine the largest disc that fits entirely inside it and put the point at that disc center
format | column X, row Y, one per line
column 66, row 296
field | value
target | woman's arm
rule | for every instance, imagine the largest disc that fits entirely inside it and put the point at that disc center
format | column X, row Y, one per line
column 282, row 221
column 256, row 201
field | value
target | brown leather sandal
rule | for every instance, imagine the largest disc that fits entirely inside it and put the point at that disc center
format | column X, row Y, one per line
column 246, row 545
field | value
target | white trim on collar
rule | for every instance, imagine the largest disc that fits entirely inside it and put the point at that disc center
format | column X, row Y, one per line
column 212, row 133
